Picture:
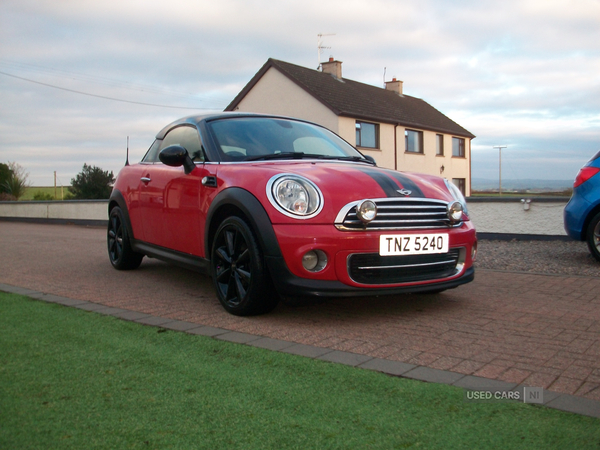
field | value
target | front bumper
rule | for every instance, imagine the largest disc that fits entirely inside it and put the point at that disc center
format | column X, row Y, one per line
column 288, row 284
column 339, row 278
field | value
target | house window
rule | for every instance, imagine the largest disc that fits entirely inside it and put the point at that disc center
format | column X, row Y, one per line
column 461, row 184
column 367, row 135
column 414, row 141
column 439, row 144
column 458, row 147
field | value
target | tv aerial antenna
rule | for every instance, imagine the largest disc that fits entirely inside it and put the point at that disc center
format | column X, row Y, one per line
column 321, row 47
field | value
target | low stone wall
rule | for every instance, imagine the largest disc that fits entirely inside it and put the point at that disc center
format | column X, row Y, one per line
column 528, row 216
column 92, row 212
column 513, row 215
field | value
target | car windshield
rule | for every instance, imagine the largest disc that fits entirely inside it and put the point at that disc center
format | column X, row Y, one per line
column 263, row 138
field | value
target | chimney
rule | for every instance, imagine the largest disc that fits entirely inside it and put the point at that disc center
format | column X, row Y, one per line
column 332, row 67
column 394, row 85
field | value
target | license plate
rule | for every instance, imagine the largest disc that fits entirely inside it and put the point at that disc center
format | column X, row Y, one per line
column 412, row 244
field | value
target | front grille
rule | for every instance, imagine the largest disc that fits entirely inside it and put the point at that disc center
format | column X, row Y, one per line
column 371, row 268
column 397, row 214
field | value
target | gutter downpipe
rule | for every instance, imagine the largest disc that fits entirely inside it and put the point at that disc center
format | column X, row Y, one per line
column 396, row 146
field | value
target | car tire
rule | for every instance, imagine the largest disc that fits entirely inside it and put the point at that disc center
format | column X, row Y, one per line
column 238, row 270
column 120, row 253
column 593, row 236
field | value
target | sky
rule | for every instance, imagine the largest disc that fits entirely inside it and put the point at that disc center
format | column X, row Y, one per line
column 78, row 77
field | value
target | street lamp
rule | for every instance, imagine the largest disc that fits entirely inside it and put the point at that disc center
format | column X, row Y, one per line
column 500, row 147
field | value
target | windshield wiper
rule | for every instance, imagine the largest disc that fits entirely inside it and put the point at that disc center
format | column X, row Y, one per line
column 282, row 155
column 346, row 158
column 302, row 155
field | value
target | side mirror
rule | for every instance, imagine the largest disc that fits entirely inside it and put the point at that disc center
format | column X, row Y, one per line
column 176, row 156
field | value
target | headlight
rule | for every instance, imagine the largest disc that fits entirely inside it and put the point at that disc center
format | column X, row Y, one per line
column 457, row 195
column 294, row 196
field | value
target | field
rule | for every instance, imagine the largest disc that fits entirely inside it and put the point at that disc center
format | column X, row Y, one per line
column 61, row 192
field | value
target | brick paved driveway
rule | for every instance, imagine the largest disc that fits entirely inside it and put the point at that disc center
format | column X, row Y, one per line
column 538, row 330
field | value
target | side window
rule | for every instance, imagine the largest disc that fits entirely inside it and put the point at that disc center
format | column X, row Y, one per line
column 188, row 138
column 152, row 153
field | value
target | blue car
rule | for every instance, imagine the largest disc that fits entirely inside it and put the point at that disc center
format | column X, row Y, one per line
column 582, row 213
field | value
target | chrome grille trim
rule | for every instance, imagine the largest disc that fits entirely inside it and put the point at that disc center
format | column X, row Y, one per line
column 402, row 266
column 397, row 214
column 405, row 269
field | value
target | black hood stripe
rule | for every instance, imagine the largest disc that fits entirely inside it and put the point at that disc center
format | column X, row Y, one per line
column 385, row 179
column 386, row 183
column 407, row 183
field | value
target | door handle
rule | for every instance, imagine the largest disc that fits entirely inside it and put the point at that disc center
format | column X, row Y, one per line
column 146, row 180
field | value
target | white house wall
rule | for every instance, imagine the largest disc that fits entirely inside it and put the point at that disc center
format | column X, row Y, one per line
column 274, row 93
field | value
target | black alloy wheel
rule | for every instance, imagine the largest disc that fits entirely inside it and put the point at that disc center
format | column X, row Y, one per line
column 120, row 253
column 238, row 271
column 593, row 236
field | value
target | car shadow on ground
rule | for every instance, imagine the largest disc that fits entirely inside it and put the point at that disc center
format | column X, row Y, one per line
column 184, row 283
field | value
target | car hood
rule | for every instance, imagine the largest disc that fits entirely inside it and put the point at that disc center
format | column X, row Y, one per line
column 359, row 181
column 341, row 182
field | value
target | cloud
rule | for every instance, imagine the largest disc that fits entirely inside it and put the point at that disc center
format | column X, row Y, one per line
column 517, row 72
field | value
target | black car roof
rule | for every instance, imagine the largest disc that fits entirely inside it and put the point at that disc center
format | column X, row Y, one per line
column 197, row 118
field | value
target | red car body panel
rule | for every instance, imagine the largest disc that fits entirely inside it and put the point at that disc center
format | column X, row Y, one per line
column 339, row 182
column 172, row 209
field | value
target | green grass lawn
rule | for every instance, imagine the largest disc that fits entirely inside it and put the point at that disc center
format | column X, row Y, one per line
column 75, row 379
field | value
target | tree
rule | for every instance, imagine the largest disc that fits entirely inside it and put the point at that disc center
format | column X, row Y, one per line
column 5, row 174
column 15, row 184
column 92, row 183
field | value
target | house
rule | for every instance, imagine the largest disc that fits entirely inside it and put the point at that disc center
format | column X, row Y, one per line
column 401, row 132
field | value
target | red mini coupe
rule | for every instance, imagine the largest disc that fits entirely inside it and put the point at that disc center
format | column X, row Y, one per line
column 274, row 207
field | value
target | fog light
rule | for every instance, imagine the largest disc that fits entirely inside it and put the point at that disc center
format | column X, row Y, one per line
column 314, row 260
column 366, row 211
column 455, row 212
column 474, row 251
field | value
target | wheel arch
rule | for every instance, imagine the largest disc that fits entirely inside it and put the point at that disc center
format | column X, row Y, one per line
column 595, row 210
column 117, row 199
column 240, row 202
